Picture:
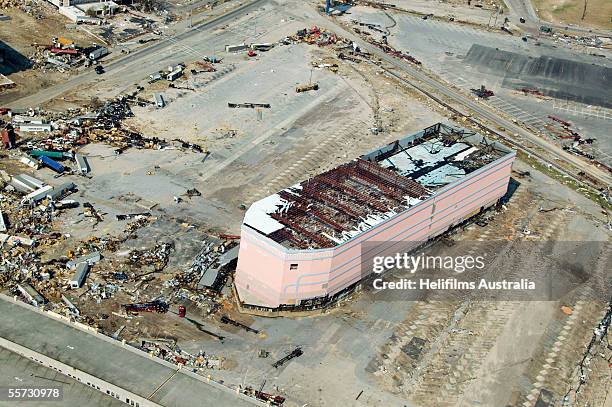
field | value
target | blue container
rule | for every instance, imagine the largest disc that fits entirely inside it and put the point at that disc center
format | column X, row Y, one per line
column 54, row 165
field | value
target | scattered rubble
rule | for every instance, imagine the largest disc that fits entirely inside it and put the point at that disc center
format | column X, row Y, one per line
column 168, row 351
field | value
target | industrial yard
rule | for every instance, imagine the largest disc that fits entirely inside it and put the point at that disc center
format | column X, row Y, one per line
column 195, row 190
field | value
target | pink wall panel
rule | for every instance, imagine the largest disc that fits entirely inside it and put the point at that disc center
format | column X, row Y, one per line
column 264, row 265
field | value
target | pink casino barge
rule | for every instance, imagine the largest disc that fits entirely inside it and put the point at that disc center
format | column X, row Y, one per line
column 300, row 248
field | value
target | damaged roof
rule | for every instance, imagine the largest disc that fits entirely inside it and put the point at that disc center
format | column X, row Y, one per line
column 344, row 202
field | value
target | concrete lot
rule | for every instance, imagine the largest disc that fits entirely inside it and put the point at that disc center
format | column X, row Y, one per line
column 16, row 370
column 107, row 361
column 442, row 46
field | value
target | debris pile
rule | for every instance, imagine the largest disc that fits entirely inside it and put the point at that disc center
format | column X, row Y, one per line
column 483, row 92
column 79, row 127
column 270, row 399
column 206, row 259
column 157, row 257
column 63, row 54
column 564, row 131
column 315, row 35
column 9, row 3
column 382, row 43
column 168, row 351
column 532, row 91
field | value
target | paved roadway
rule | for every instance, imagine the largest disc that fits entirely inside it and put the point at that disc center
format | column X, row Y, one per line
column 555, row 152
column 17, row 371
column 133, row 58
column 109, row 361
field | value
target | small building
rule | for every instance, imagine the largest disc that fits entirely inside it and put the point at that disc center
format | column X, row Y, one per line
column 99, row 8
column 80, row 273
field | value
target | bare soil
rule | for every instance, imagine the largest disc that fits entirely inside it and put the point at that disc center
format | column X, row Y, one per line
column 590, row 13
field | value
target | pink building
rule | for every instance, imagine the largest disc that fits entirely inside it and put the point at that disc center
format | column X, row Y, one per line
column 301, row 248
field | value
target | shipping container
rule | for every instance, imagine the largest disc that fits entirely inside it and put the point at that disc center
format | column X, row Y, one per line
column 236, row 48
column 60, row 191
column 78, row 278
column 54, row 165
column 159, row 100
column 35, row 127
column 51, row 154
column 37, row 195
column 98, row 53
column 31, row 294
column 90, row 259
column 174, row 74
column 82, row 163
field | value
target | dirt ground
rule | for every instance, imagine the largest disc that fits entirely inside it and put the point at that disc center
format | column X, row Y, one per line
column 590, row 13
column 24, row 30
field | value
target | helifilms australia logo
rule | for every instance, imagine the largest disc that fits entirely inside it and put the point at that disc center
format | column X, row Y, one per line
column 496, row 270
column 425, row 268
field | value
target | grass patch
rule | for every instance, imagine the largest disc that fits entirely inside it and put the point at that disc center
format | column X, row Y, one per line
column 565, row 180
column 563, row 8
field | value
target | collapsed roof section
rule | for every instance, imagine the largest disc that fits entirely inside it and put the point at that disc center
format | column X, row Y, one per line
column 338, row 205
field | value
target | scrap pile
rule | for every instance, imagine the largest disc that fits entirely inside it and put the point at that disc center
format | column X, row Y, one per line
column 157, row 257
column 9, row 3
column 270, row 399
column 564, row 131
column 315, row 35
column 382, row 43
column 347, row 50
column 208, row 258
column 532, row 91
column 173, row 354
column 31, row 227
column 65, row 133
column 62, row 54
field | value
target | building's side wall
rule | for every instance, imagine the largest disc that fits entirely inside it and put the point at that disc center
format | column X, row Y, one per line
column 266, row 266
column 261, row 269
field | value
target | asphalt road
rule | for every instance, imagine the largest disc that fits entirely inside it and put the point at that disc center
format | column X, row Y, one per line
column 132, row 58
column 111, row 361
column 554, row 152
